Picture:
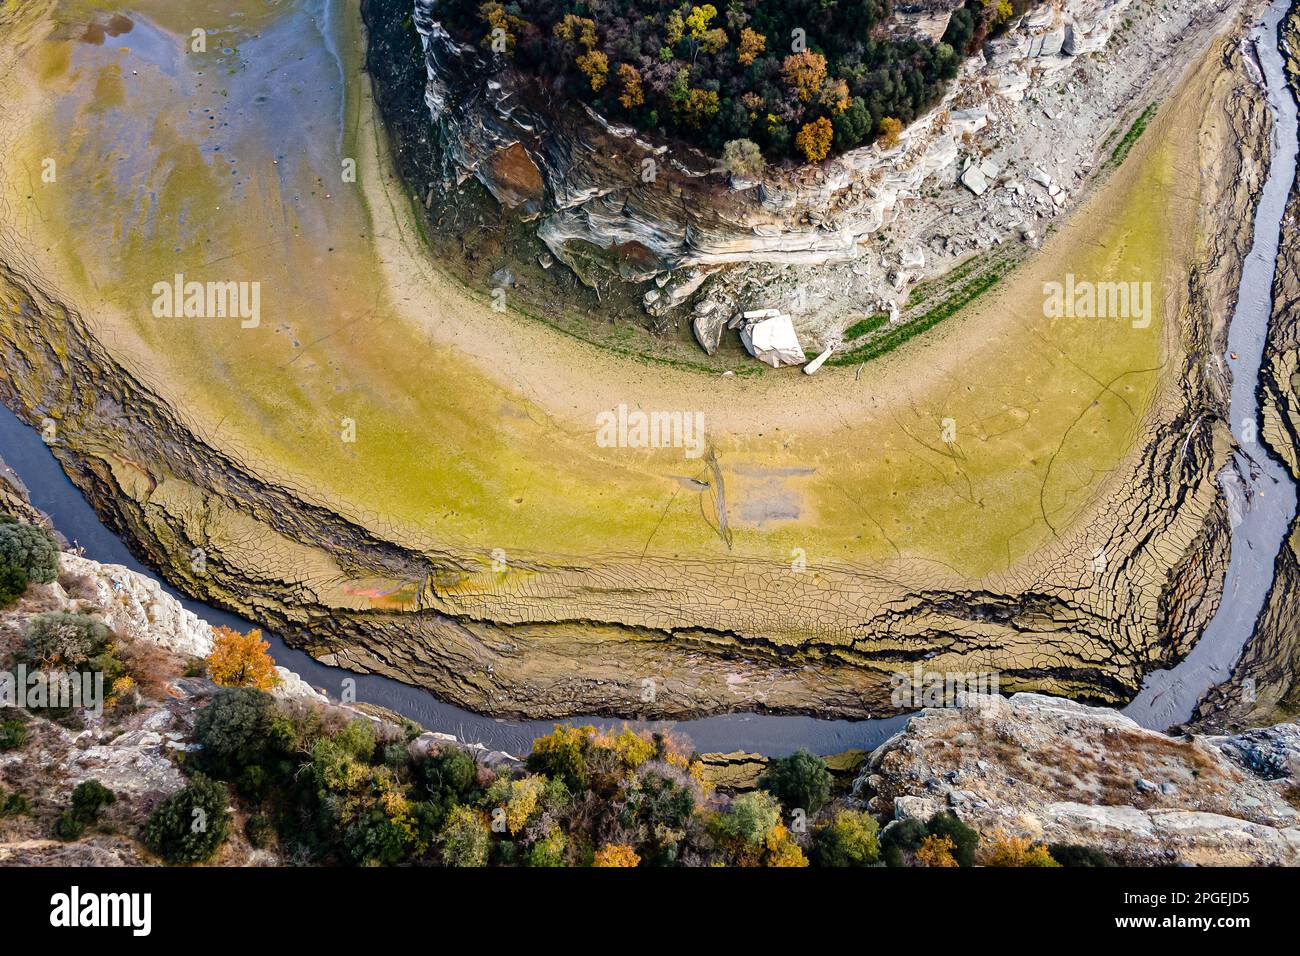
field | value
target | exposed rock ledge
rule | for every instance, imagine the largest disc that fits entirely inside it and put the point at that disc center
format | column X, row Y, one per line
column 581, row 176
column 1060, row 772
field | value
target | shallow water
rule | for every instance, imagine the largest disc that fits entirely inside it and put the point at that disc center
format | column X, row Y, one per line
column 1260, row 493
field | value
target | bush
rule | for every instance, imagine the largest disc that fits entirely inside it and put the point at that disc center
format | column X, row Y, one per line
column 1018, row 851
column 260, row 831
column 965, row 840
column 13, row 734
column 67, row 827
column 800, row 781
column 89, row 799
column 1073, row 854
column 13, row 804
column 751, row 818
column 190, row 825
column 30, row 549
column 465, row 839
column 850, row 839
column 62, row 640
column 901, row 838
column 235, row 731
column 13, row 582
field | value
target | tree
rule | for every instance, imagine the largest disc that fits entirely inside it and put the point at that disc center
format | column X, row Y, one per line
column 575, row 29
column 805, row 73
column 616, row 854
column 236, row 730
column 1018, row 851
column 890, row 130
column 633, row 94
column 29, row 548
column 700, row 107
column 465, row 838
column 800, row 781
column 190, row 825
column 596, row 65
column 814, row 139
column 241, row 660
column 752, row 817
column 935, row 851
column 752, row 43
column 848, row 840
column 743, row 158
column 964, row 839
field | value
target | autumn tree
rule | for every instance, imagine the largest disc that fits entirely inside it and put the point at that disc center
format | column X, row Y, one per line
column 752, row 43
column 241, row 660
column 890, row 130
column 936, row 851
column 805, row 73
column 700, row 106
column 633, row 94
column 596, row 65
column 1018, row 851
column 616, row 854
column 814, row 139
column 575, row 29
column 835, row 96
column 502, row 28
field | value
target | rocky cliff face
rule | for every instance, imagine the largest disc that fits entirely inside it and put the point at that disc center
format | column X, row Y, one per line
column 1060, row 772
column 584, row 179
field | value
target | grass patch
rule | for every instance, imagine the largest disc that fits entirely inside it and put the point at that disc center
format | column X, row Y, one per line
column 1132, row 136
column 865, row 326
column 954, row 303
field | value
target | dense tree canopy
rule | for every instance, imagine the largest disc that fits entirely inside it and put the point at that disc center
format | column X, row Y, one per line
column 800, row 78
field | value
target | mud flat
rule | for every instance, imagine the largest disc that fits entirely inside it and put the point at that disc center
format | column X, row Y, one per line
column 1066, row 530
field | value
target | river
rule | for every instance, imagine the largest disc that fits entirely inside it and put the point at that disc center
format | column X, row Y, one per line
column 1262, row 501
column 1260, row 493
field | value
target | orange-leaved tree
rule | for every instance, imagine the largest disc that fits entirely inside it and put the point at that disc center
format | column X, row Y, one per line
column 241, row 660
column 616, row 854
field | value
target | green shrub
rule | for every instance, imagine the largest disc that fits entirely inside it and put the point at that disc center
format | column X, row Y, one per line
column 13, row 804
column 235, row 731
column 850, row 839
column 751, row 817
column 900, row 837
column 59, row 639
column 13, row 582
column 89, row 799
column 259, row 830
column 190, row 825
column 67, row 827
column 31, row 549
column 13, row 734
column 1074, row 854
column 800, row 781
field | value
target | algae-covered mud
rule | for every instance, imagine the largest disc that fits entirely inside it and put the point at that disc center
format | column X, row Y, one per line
column 219, row 304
